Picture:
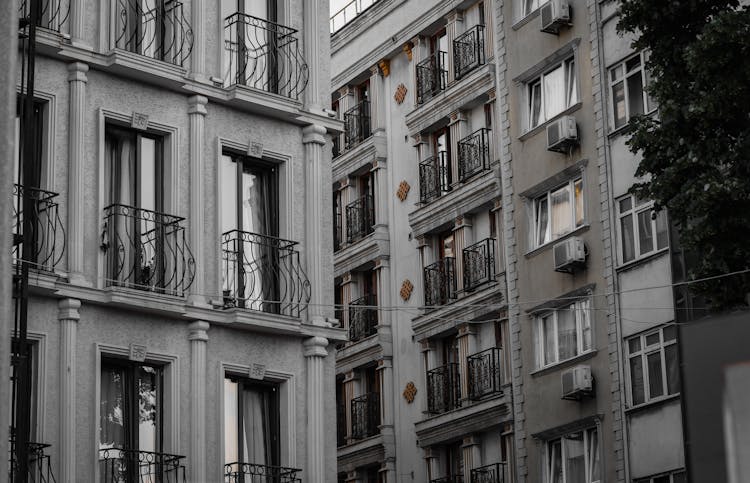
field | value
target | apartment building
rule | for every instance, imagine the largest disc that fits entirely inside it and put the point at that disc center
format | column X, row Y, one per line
column 171, row 232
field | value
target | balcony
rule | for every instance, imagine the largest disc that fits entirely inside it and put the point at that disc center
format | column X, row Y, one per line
column 363, row 318
column 365, row 416
column 449, row 479
column 440, row 282
column 360, row 218
column 158, row 29
column 38, row 468
column 485, row 373
column 432, row 76
column 434, row 177
column 340, row 425
column 239, row 472
column 443, row 389
column 357, row 124
column 263, row 273
column 479, row 264
column 494, row 473
column 133, row 466
column 468, row 51
column 263, row 55
column 52, row 14
column 47, row 235
column 348, row 13
column 473, row 154
column 146, row 250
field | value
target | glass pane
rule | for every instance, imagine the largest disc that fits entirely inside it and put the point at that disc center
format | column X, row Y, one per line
column 618, row 104
column 626, row 204
column 566, row 332
column 147, row 177
column 655, row 379
column 673, row 370
column 231, row 422
column 561, row 212
column 662, row 230
column 571, row 83
column 635, row 94
column 112, row 408
column 634, row 344
column 670, row 333
column 628, row 241
column 548, row 339
column 584, row 318
column 679, row 477
column 593, row 456
column 652, row 339
column 575, row 462
column 542, row 222
column 555, row 462
column 615, row 73
column 256, row 427
column 554, row 92
column 530, row 6
column 147, row 381
column 645, row 235
column 578, row 191
column 633, row 63
column 636, row 379
column 661, row 479
column 535, row 104
column 228, row 194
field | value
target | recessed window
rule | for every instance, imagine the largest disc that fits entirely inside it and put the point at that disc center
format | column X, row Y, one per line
column 564, row 333
column 574, row 458
column 642, row 231
column 552, row 93
column 557, row 212
column 653, row 365
column 627, row 82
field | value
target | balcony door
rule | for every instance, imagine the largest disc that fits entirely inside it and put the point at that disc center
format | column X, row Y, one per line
column 251, row 38
column 441, row 148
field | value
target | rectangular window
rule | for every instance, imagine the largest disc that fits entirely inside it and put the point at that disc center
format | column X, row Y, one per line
column 653, row 365
column 154, row 28
column 678, row 476
column 552, row 93
column 528, row 6
column 574, row 458
column 627, row 82
column 557, row 212
column 249, row 199
column 642, row 231
column 563, row 333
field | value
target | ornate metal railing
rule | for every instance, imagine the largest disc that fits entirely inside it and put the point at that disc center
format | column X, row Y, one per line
column 479, row 264
column 473, row 154
column 443, row 389
column 52, row 14
column 360, row 218
column 363, row 318
column 432, row 76
column 340, row 425
column 449, row 479
column 158, row 29
column 434, row 177
column 263, row 273
column 357, row 124
column 263, row 55
column 146, row 250
column 239, row 472
column 365, row 415
column 348, row 12
column 468, row 51
column 48, row 232
column 440, row 282
column 485, row 373
column 39, row 468
column 133, row 466
column 494, row 473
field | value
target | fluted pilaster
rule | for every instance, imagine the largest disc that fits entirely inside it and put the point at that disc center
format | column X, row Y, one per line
column 68, row 317
column 197, row 113
column 317, row 186
column 315, row 353
column 198, row 337
column 77, row 80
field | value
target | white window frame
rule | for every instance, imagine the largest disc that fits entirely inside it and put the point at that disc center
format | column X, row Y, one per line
column 570, row 92
column 671, row 475
column 638, row 207
column 617, row 74
column 526, row 8
column 583, row 322
column 587, row 454
column 643, row 352
column 534, row 238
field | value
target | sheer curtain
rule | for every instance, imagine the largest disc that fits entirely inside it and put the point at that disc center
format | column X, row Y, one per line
column 575, row 461
column 256, row 431
column 566, row 330
column 261, row 258
column 554, row 93
column 120, row 163
column 561, row 212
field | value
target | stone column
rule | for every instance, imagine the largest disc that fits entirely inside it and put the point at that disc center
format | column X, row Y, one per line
column 380, row 175
column 377, row 120
column 462, row 237
column 467, row 346
column 348, row 195
column 385, row 368
column 317, row 201
column 457, row 127
column 472, row 455
column 77, row 20
column 198, row 54
column 382, row 267
column 346, row 102
column 418, row 51
column 198, row 338
column 349, row 293
column 350, row 392
column 77, row 80
column 425, row 258
column 388, row 470
column 431, row 458
column 313, row 15
column 453, row 29
column 68, row 316
column 429, row 361
column 315, row 353
column 497, row 213
column 197, row 114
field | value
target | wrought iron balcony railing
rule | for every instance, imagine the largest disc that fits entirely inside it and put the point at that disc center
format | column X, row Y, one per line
column 365, row 415
column 133, row 466
column 479, row 264
column 263, row 273
column 340, row 425
column 449, row 479
column 52, row 14
column 434, row 177
column 440, row 282
column 494, row 473
column 146, row 250
column 263, row 55
column 432, row 76
column 443, row 389
column 468, row 51
column 157, row 29
column 357, row 124
column 48, row 233
column 363, row 318
column 349, row 12
column 360, row 218
column 473, row 154
column 239, row 472
column 485, row 373
column 39, row 467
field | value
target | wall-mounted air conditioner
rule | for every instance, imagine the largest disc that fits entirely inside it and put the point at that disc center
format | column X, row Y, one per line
column 562, row 134
column 555, row 14
column 577, row 382
column 569, row 255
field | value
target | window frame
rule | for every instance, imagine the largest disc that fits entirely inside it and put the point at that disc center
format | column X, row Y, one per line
column 670, row 474
column 649, row 105
column 571, row 92
column 587, row 454
column 643, row 352
column 583, row 319
column 638, row 207
column 546, row 196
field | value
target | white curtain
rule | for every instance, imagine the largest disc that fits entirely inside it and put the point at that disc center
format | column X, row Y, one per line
column 594, row 472
column 554, row 92
column 256, row 431
column 561, row 212
column 575, row 462
column 566, row 331
column 541, row 218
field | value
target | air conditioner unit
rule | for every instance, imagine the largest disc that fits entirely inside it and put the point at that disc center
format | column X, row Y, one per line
column 562, row 134
column 577, row 383
column 555, row 14
column 569, row 255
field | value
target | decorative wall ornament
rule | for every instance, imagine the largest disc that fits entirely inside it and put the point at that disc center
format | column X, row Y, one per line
column 137, row 352
column 385, row 67
column 406, row 290
column 139, row 121
column 409, row 392
column 407, row 49
column 403, row 190
column 255, row 149
column 257, row 371
column 400, row 94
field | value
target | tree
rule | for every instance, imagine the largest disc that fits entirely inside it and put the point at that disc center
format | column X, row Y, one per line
column 696, row 149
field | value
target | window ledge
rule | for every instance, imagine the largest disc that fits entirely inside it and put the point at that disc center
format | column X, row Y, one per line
column 523, row 21
column 534, row 252
column 642, row 260
column 543, row 126
column 652, row 403
column 564, row 364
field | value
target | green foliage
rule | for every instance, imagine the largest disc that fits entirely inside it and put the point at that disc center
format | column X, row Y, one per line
column 696, row 150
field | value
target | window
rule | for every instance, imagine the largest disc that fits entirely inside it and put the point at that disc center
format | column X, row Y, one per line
column 153, row 28
column 528, row 6
column 626, row 82
column 642, row 231
column 678, row 476
column 552, row 93
column 557, row 212
column 564, row 333
column 653, row 365
column 574, row 458
column 249, row 198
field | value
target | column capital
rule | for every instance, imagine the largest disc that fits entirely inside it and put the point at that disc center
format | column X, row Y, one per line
column 385, row 363
column 466, row 329
column 315, row 347
column 77, row 72
column 455, row 16
column 198, row 330
column 68, row 309
column 197, row 105
column 457, row 116
column 313, row 133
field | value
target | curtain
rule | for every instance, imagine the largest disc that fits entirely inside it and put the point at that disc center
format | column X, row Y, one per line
column 542, row 222
column 113, row 408
column 555, row 462
column 575, row 463
column 561, row 212
column 566, row 332
column 231, row 422
column 535, row 104
column 149, row 410
column 548, row 332
column 645, row 232
column 554, row 92
column 582, row 316
column 594, row 472
column 628, row 238
column 256, row 431
column 571, row 84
